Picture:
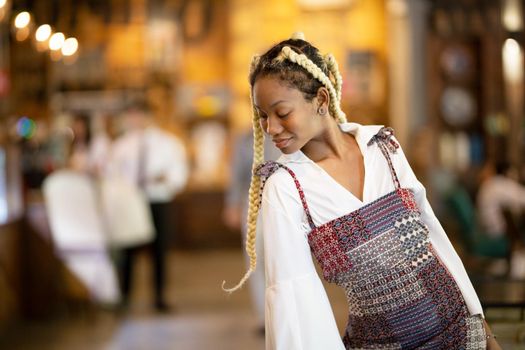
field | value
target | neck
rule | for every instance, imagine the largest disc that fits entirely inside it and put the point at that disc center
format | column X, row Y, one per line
column 330, row 143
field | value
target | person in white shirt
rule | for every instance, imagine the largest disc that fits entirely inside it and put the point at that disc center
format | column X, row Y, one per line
column 155, row 161
column 346, row 193
column 498, row 192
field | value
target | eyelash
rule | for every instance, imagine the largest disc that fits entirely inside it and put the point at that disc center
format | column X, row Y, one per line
column 280, row 116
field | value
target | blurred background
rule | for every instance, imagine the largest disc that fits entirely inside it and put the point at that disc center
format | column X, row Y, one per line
column 447, row 75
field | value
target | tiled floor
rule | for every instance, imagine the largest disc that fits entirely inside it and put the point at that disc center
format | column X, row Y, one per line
column 204, row 318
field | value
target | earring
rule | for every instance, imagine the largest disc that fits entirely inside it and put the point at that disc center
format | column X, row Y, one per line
column 321, row 111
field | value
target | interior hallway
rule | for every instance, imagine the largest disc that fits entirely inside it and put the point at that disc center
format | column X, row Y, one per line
column 204, row 316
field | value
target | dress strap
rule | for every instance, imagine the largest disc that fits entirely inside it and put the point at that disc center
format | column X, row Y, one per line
column 266, row 169
column 387, row 145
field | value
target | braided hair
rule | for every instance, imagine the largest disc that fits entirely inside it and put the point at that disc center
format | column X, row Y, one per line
column 298, row 64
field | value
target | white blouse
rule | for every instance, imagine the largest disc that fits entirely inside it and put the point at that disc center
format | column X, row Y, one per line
column 298, row 313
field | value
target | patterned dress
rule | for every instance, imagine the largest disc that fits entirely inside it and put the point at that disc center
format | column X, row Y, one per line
column 400, row 295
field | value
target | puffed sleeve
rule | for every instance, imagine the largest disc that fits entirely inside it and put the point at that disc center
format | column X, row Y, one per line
column 438, row 236
column 298, row 314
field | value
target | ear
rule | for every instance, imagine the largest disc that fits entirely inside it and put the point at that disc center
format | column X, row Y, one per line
column 322, row 99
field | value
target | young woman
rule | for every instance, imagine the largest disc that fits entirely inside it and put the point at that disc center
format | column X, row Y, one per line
column 346, row 193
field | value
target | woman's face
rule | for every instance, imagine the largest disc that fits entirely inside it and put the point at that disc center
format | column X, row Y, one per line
column 285, row 115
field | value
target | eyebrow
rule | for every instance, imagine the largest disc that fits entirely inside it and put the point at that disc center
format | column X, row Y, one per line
column 273, row 104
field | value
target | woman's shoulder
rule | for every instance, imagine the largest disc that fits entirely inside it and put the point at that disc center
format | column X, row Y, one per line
column 278, row 180
column 363, row 133
column 356, row 128
column 275, row 173
column 371, row 129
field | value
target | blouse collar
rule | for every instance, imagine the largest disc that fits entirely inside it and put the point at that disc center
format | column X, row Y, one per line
column 361, row 133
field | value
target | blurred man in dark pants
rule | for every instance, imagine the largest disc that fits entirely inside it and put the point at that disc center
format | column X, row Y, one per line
column 155, row 161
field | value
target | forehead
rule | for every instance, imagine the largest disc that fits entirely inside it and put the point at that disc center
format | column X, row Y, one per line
column 268, row 89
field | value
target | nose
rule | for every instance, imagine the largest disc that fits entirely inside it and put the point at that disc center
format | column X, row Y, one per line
column 272, row 126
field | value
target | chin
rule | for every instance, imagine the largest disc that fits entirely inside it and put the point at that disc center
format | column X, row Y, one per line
column 288, row 150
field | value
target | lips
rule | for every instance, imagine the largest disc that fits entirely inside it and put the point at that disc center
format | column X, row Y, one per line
column 281, row 143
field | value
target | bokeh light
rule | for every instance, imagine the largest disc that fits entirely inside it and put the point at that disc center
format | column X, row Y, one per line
column 22, row 20
column 70, row 47
column 43, row 32
column 512, row 61
column 56, row 41
column 26, row 127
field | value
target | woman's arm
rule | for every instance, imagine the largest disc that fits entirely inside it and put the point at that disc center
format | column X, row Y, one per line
column 442, row 244
column 492, row 343
column 438, row 237
column 298, row 313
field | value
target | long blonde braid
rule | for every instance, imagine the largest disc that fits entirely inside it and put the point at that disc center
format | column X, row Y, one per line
column 331, row 63
column 253, row 194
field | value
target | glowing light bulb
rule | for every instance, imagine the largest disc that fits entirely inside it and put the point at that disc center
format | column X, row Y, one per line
column 70, row 47
column 22, row 20
column 56, row 41
column 43, row 32
column 512, row 61
column 511, row 15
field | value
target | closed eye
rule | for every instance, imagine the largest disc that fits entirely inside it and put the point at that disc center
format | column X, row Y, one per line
column 283, row 115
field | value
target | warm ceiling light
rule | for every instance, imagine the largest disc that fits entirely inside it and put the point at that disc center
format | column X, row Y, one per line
column 70, row 47
column 511, row 14
column 4, row 10
column 22, row 20
column 512, row 61
column 56, row 41
column 43, row 32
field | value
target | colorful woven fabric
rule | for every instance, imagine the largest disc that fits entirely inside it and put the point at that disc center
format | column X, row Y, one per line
column 400, row 295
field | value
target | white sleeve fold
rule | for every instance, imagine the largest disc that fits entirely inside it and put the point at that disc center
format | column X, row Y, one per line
column 298, row 314
column 438, row 237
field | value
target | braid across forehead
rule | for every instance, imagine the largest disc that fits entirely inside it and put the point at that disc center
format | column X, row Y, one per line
column 273, row 63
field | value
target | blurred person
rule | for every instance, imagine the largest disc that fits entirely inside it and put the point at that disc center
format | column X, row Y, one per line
column 236, row 208
column 346, row 193
column 73, row 206
column 80, row 148
column 155, row 161
column 103, row 137
column 498, row 192
column 89, row 149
